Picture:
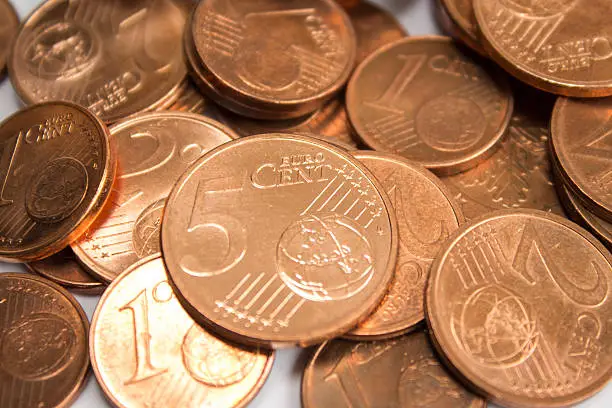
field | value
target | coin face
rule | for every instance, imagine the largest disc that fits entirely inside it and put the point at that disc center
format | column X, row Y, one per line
column 284, row 58
column 147, row 351
column 153, row 151
column 116, row 58
column 401, row 372
column 426, row 100
column 582, row 145
column 9, row 25
column 426, row 216
column 458, row 18
column 554, row 45
column 519, row 173
column 63, row 269
column 295, row 228
column 57, row 168
column 43, row 343
column 489, row 303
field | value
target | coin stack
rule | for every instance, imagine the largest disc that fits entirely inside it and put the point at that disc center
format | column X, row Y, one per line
column 235, row 177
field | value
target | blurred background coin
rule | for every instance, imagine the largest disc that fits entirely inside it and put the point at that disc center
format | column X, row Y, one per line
column 458, row 20
column 9, row 25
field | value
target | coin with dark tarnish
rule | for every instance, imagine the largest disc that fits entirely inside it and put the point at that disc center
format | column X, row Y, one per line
column 426, row 100
column 153, row 151
column 116, row 58
column 458, row 19
column 519, row 304
column 63, row 269
column 273, row 59
column 426, row 216
column 9, row 25
column 559, row 46
column 43, row 343
column 301, row 240
column 57, row 168
column 146, row 351
column 399, row 373
column 582, row 147
column 519, row 173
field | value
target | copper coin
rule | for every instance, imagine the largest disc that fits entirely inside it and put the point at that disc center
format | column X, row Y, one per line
column 56, row 170
column 426, row 216
column 426, row 100
column 559, row 46
column 402, row 372
column 458, row 19
column 519, row 174
column 153, row 151
column 582, row 145
column 63, row 269
column 189, row 99
column 518, row 303
column 43, row 338
column 600, row 228
column 147, row 352
column 301, row 240
column 278, row 59
column 9, row 25
column 116, row 58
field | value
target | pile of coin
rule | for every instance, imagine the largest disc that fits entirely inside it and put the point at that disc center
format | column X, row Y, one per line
column 252, row 175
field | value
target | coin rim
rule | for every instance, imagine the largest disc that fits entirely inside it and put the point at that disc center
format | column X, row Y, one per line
column 439, row 168
column 17, row 27
column 464, row 371
column 451, row 21
column 83, row 373
column 282, row 341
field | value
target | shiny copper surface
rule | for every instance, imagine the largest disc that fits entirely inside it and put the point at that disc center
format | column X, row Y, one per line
column 147, row 352
column 458, row 19
column 153, row 151
column 426, row 216
column 43, row 338
column 424, row 99
column 301, row 240
column 518, row 303
column 57, row 168
column 116, row 58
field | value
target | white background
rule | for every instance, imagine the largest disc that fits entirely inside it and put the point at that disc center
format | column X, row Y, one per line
column 282, row 389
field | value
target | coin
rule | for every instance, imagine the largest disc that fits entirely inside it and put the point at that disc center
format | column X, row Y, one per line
column 146, row 351
column 458, row 19
column 116, row 58
column 426, row 216
column 9, row 25
column 301, row 240
column 519, row 174
column 426, row 100
column 558, row 46
column 63, row 269
column 489, row 308
column 153, row 151
column 189, row 99
column 582, row 145
column 598, row 227
column 273, row 59
column 43, row 334
column 56, row 170
column 401, row 372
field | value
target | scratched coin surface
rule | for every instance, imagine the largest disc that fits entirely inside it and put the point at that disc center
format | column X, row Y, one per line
column 43, row 343
column 56, row 170
column 426, row 216
column 490, row 307
column 9, row 25
column 301, row 240
column 279, row 59
column 519, row 173
column 426, row 100
column 63, row 269
column 560, row 46
column 458, row 19
column 116, row 58
column 582, row 146
column 147, row 352
column 153, row 150
column 398, row 373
